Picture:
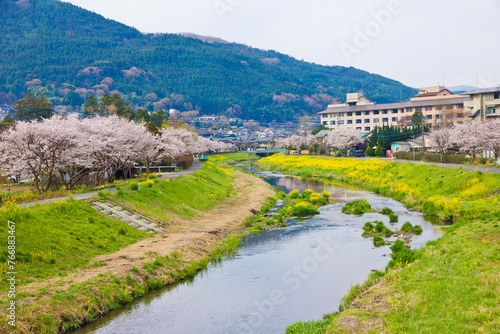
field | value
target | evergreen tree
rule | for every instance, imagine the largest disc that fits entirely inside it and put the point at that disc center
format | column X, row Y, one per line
column 31, row 107
column 379, row 152
column 369, row 152
column 91, row 106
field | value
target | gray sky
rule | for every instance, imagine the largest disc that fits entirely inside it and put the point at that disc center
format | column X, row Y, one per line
column 411, row 41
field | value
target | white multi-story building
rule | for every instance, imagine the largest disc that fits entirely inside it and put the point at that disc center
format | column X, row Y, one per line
column 484, row 103
column 438, row 105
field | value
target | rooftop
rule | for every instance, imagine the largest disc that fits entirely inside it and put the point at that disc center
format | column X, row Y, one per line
column 484, row 91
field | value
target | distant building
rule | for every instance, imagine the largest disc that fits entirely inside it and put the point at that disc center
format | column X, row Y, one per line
column 484, row 103
column 438, row 105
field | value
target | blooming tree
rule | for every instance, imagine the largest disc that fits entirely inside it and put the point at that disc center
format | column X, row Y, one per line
column 344, row 138
column 441, row 140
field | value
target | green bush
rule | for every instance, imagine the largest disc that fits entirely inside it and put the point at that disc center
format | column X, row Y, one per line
column 379, row 152
column 294, row 194
column 408, row 227
column 306, row 194
column 386, row 211
column 368, row 227
column 378, row 241
column 369, row 152
column 280, row 195
column 357, row 207
column 393, row 217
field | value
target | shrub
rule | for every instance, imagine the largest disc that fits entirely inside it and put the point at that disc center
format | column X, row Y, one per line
column 317, row 199
column 302, row 208
column 393, row 218
column 381, row 228
column 378, row 241
column 280, row 194
column 133, row 187
column 379, row 152
column 294, row 194
column 368, row 227
column 369, row 152
column 357, row 207
column 326, row 193
column 122, row 231
column 408, row 227
column 386, row 211
column 306, row 194
column 401, row 255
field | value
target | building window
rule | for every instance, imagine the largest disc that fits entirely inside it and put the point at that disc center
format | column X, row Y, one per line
column 409, row 109
column 384, row 112
column 325, row 123
column 367, row 128
column 437, row 116
column 496, row 96
column 418, row 109
column 358, row 121
column 349, row 114
column 428, row 108
column 358, row 128
column 367, row 113
column 460, row 115
column 439, row 107
column 349, row 121
column 490, row 111
column 394, row 111
column 332, row 123
column 367, row 120
column 358, row 113
column 460, row 106
column 341, row 122
column 428, row 116
column 376, row 112
column 376, row 120
column 394, row 119
column 385, row 120
column 341, row 114
column 449, row 107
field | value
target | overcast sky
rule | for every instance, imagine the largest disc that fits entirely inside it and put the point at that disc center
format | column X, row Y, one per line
column 415, row 42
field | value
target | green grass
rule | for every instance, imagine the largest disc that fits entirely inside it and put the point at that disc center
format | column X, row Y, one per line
column 53, row 239
column 449, row 286
column 230, row 159
column 184, row 196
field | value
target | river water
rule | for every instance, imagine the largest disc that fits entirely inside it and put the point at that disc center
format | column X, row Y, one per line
column 279, row 277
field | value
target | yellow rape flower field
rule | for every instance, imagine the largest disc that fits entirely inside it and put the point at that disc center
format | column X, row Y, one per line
column 454, row 284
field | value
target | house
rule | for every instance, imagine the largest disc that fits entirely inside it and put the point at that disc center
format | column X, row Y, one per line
column 321, row 137
column 437, row 104
column 484, row 103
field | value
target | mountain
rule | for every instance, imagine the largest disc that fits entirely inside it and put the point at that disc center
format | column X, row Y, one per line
column 67, row 53
column 461, row 89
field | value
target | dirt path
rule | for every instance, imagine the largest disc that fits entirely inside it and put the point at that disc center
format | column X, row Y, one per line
column 199, row 234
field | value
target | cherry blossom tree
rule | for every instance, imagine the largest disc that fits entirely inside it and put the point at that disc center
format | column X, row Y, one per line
column 344, row 138
column 36, row 148
column 489, row 136
column 441, row 140
column 466, row 137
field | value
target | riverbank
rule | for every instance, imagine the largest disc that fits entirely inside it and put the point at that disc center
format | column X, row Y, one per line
column 79, row 285
column 453, row 285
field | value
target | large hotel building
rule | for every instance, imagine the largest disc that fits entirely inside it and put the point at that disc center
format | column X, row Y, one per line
column 438, row 105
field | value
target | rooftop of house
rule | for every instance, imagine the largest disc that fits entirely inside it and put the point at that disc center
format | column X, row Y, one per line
column 484, row 90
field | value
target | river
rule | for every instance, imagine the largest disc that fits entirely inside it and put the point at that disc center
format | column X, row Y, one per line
column 278, row 277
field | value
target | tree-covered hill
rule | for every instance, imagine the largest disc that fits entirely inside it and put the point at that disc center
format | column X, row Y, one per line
column 68, row 53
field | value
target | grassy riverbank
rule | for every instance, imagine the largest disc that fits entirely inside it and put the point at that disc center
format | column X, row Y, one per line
column 74, row 264
column 454, row 285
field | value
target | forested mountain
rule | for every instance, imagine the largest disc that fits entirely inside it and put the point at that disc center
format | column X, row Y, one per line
column 68, row 53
